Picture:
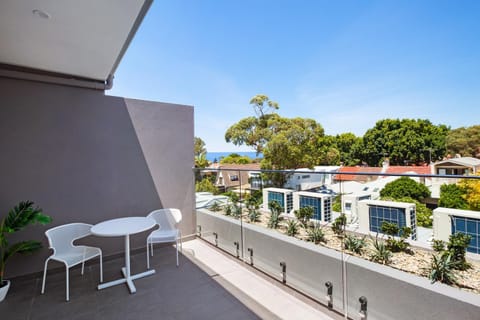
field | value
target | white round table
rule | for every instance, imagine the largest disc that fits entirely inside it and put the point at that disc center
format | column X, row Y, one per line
column 124, row 227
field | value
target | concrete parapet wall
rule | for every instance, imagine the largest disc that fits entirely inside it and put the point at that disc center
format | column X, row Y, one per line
column 391, row 294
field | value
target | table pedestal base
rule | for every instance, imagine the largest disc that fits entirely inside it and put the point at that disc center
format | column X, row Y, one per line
column 126, row 279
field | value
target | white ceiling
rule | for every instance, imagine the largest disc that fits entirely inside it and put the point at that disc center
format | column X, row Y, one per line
column 83, row 38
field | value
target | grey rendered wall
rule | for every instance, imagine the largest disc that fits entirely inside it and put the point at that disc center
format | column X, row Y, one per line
column 84, row 156
column 391, row 294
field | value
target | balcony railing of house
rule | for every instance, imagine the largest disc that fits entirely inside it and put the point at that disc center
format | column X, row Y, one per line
column 327, row 238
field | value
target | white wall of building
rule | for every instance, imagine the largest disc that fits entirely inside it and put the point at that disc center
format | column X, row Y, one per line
column 364, row 215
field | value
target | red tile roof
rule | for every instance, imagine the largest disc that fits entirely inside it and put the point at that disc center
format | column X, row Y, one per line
column 389, row 169
column 354, row 177
column 405, row 169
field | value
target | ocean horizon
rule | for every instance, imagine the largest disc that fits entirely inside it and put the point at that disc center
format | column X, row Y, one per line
column 212, row 156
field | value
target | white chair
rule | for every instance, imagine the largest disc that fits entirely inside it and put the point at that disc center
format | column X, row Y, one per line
column 167, row 220
column 60, row 240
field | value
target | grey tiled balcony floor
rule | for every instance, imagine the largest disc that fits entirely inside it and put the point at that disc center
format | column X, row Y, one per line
column 187, row 292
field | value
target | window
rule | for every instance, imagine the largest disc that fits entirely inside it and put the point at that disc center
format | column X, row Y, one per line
column 276, row 196
column 306, row 176
column 327, row 209
column 468, row 226
column 315, row 203
column 364, row 198
column 233, row 177
column 348, row 206
column 413, row 223
column 380, row 214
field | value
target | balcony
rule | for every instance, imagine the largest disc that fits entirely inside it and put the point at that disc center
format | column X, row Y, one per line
column 208, row 284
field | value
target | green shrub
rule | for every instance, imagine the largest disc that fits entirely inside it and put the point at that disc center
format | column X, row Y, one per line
column 392, row 230
column 338, row 226
column 316, row 234
column 457, row 246
column 438, row 245
column 354, row 244
column 304, row 215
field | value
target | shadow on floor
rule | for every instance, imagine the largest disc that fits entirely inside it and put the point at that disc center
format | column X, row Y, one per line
column 186, row 292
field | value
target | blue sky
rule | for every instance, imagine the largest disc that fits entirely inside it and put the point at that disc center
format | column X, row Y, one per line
column 346, row 64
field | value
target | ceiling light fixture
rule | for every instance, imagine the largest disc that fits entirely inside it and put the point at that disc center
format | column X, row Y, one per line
column 40, row 13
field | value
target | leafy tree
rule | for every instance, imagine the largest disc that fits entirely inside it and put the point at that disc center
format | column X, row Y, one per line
column 297, row 143
column 256, row 131
column 235, row 158
column 464, row 141
column 404, row 141
column 201, row 161
column 452, row 196
column 199, row 147
column 205, row 185
column 350, row 148
column 405, row 187
column 471, row 189
column 337, row 203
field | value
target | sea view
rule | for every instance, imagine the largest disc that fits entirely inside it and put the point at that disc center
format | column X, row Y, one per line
column 212, row 156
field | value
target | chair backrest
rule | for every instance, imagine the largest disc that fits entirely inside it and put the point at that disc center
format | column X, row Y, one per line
column 167, row 219
column 61, row 238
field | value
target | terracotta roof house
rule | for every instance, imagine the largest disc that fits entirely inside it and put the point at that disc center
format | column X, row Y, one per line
column 349, row 174
column 232, row 176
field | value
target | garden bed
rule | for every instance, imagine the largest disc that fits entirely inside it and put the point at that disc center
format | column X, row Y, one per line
column 417, row 262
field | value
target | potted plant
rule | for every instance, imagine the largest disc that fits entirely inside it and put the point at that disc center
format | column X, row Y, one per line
column 18, row 218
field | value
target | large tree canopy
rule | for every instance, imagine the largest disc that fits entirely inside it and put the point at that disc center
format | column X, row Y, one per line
column 405, row 187
column 256, row 131
column 404, row 141
column 350, row 148
column 464, row 141
column 297, row 143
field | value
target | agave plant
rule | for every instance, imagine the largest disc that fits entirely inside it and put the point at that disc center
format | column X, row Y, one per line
column 354, row 244
column 316, row 234
column 292, row 227
column 380, row 252
column 275, row 217
column 253, row 215
column 442, row 268
column 18, row 218
column 215, row 207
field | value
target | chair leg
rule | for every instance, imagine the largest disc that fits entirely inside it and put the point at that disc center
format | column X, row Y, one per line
column 101, row 267
column 151, row 248
column 44, row 275
column 181, row 243
column 83, row 261
column 148, row 255
column 67, row 294
column 176, row 247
